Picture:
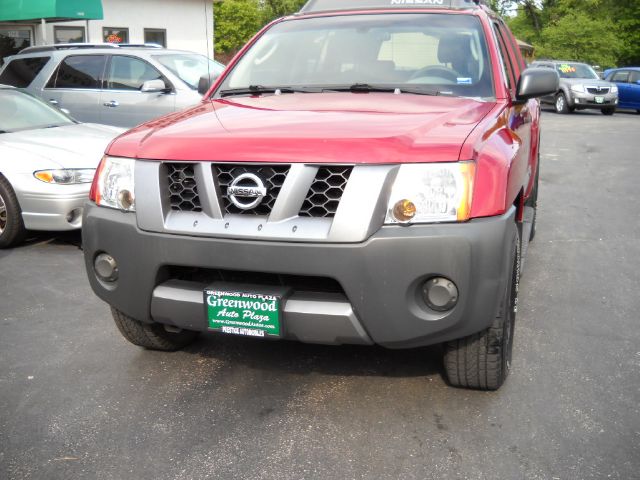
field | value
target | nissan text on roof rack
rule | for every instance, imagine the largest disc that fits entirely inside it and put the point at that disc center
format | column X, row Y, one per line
column 363, row 172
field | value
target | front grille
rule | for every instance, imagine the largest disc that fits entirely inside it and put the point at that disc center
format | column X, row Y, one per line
column 273, row 177
column 183, row 190
column 598, row 90
column 299, row 283
column 325, row 192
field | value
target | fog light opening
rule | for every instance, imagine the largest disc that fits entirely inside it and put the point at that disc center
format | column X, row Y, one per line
column 106, row 268
column 74, row 216
column 440, row 294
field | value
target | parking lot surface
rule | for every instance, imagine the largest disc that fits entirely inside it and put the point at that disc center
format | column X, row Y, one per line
column 77, row 401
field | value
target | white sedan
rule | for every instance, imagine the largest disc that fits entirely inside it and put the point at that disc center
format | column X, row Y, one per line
column 47, row 163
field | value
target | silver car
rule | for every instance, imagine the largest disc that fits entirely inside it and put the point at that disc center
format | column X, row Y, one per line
column 121, row 85
column 47, row 164
column 580, row 88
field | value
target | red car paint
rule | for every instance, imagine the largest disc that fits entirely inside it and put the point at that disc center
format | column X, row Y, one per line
column 501, row 137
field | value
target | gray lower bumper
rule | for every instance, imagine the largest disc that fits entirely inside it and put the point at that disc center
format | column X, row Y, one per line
column 381, row 277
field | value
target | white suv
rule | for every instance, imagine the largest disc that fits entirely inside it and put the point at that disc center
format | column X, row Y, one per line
column 121, row 85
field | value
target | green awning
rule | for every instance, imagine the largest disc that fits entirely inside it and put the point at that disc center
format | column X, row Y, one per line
column 50, row 10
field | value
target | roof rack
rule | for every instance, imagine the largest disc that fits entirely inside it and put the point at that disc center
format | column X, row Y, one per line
column 315, row 6
column 73, row 46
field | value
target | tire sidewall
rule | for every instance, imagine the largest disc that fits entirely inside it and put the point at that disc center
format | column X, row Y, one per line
column 510, row 301
column 14, row 228
column 560, row 104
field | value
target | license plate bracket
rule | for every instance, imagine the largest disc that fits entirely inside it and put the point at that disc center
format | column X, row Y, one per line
column 245, row 310
column 599, row 99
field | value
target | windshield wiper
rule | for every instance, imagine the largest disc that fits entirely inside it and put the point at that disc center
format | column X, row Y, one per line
column 366, row 87
column 259, row 90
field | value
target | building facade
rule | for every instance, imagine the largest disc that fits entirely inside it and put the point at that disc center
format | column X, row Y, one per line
column 175, row 24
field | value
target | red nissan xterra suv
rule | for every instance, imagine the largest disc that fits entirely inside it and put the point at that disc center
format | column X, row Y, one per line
column 364, row 172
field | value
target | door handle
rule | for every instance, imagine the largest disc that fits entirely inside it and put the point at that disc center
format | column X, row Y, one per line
column 111, row 104
column 54, row 102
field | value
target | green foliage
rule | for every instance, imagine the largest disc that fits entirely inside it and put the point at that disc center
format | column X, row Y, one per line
column 236, row 21
column 603, row 32
column 579, row 37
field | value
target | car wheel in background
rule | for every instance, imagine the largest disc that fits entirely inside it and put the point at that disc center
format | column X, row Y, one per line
column 152, row 336
column 482, row 361
column 561, row 104
column 609, row 111
column 12, row 229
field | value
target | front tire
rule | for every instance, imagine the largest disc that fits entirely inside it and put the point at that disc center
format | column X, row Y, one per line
column 561, row 104
column 482, row 361
column 609, row 111
column 12, row 229
column 151, row 336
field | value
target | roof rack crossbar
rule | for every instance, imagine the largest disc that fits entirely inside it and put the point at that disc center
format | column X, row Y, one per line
column 71, row 46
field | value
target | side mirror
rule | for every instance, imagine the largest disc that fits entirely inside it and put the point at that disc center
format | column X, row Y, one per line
column 153, row 86
column 205, row 82
column 537, row 82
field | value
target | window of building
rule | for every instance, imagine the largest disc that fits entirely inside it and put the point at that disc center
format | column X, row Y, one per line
column 79, row 72
column 13, row 39
column 69, row 34
column 115, row 35
column 21, row 72
column 129, row 73
column 155, row 35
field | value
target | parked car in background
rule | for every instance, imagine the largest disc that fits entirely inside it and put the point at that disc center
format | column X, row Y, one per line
column 122, row 85
column 580, row 88
column 628, row 82
column 47, row 163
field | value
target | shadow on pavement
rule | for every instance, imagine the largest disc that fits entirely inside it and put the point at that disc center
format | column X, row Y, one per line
column 299, row 358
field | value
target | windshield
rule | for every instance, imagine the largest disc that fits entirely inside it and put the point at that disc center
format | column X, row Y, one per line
column 190, row 67
column 440, row 53
column 576, row 70
column 24, row 112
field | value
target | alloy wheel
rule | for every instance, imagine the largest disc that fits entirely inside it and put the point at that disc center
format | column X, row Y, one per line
column 3, row 215
column 560, row 103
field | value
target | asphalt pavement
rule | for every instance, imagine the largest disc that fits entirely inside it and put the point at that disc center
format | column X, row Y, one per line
column 78, row 402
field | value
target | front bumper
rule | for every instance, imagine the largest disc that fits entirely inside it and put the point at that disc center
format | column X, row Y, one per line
column 50, row 207
column 380, row 278
column 589, row 100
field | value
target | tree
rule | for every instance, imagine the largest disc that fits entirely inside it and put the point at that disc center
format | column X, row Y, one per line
column 236, row 21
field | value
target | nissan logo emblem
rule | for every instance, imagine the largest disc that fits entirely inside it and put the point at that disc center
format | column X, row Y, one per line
column 246, row 191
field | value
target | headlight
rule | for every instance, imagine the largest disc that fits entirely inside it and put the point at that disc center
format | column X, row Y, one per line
column 113, row 184
column 578, row 88
column 67, row 176
column 614, row 89
column 432, row 192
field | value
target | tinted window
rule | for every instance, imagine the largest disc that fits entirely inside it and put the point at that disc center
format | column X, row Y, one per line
column 506, row 61
column 21, row 72
column 129, row 73
column 634, row 77
column 82, row 71
column 621, row 77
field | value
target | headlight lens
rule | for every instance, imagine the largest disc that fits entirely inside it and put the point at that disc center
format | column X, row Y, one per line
column 66, row 176
column 433, row 192
column 113, row 185
column 578, row 88
column 614, row 89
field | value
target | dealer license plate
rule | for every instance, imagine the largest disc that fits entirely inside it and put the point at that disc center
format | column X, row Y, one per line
column 599, row 99
column 243, row 313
